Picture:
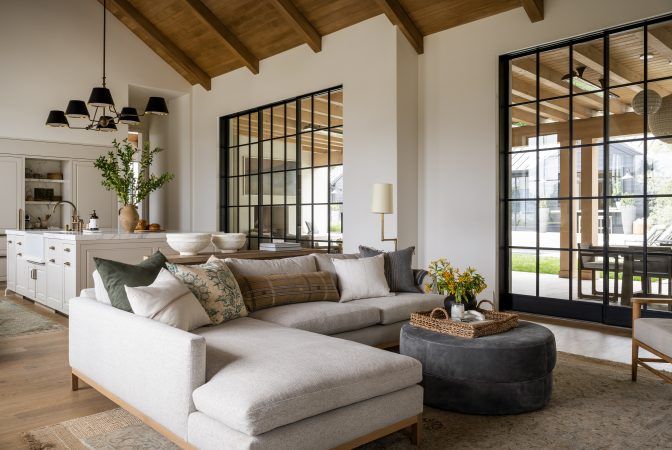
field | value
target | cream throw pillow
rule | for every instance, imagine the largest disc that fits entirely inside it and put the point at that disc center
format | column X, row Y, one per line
column 168, row 301
column 361, row 278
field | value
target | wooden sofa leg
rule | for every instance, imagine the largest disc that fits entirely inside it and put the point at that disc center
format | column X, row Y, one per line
column 635, row 356
column 75, row 382
column 416, row 431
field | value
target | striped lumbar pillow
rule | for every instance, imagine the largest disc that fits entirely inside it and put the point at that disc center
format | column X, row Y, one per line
column 266, row 291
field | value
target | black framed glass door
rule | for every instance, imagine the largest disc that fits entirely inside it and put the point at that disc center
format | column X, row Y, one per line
column 586, row 174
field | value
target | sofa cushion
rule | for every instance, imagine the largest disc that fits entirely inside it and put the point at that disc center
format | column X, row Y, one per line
column 656, row 333
column 400, row 306
column 266, row 291
column 248, row 267
column 325, row 264
column 262, row 376
column 321, row 317
column 361, row 278
column 398, row 267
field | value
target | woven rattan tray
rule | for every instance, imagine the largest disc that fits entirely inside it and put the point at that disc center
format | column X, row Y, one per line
column 495, row 322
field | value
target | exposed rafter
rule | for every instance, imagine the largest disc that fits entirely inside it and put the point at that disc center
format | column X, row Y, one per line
column 299, row 23
column 534, row 9
column 527, row 91
column 660, row 39
column 545, row 111
column 399, row 17
column 229, row 39
column 591, row 57
column 129, row 15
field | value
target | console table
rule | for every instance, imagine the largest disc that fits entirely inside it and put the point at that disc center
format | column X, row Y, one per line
column 242, row 254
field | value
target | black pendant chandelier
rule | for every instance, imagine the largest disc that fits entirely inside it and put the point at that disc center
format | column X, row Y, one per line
column 105, row 116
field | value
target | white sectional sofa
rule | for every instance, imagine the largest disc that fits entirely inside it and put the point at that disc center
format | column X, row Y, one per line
column 278, row 379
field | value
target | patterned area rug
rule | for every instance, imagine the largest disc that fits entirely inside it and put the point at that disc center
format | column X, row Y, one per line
column 15, row 320
column 594, row 405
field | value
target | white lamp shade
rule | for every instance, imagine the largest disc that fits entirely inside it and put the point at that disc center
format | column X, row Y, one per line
column 381, row 201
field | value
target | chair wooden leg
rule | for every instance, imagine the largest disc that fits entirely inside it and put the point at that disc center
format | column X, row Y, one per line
column 75, row 382
column 416, row 431
column 635, row 355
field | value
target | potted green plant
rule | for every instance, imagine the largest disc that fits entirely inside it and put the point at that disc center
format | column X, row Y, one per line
column 118, row 170
column 460, row 288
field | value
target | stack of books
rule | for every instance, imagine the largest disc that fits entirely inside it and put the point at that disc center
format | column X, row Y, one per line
column 279, row 246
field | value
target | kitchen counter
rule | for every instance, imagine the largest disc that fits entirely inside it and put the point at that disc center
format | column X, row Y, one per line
column 105, row 234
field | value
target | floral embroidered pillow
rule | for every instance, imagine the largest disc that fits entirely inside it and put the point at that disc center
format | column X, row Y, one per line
column 215, row 287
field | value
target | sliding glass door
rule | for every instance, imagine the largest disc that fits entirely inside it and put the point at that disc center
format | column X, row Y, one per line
column 586, row 163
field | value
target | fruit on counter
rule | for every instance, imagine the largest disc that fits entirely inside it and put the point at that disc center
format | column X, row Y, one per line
column 142, row 225
column 155, row 227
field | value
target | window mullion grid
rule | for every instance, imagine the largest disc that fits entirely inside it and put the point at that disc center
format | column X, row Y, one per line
column 284, row 178
column 537, row 132
column 645, row 278
column 572, row 237
column 607, row 182
column 329, row 172
column 312, row 171
column 272, row 174
column 297, row 151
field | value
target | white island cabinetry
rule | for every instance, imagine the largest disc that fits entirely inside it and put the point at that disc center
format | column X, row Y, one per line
column 66, row 265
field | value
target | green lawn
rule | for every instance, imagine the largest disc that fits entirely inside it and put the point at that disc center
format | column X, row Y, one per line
column 521, row 262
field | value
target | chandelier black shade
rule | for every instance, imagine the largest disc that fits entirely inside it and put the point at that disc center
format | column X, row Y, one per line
column 57, row 119
column 105, row 117
column 101, row 96
column 129, row 116
column 77, row 109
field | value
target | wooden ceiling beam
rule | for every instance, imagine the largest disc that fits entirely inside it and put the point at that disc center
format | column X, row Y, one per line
column 399, row 17
column 545, row 110
column 660, row 39
column 534, row 9
column 229, row 39
column 300, row 24
column 525, row 90
column 127, row 13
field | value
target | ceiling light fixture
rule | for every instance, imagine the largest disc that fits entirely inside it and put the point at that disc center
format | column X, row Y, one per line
column 577, row 79
column 105, row 116
column 649, row 55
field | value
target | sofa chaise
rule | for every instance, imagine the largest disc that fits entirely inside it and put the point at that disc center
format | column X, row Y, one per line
column 297, row 376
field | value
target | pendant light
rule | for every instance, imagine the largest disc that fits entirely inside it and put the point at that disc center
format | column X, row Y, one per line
column 105, row 116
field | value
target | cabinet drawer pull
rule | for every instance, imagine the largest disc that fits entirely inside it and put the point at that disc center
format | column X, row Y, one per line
column 9, row 242
column 66, row 264
column 66, row 249
column 52, row 261
column 19, row 243
column 19, row 254
column 51, row 247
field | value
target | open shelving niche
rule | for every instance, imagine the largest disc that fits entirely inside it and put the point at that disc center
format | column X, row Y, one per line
column 40, row 208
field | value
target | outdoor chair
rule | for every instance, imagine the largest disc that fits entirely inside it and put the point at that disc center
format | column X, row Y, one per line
column 591, row 259
column 651, row 334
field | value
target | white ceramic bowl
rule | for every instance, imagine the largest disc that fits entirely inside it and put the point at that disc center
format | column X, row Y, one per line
column 188, row 244
column 229, row 242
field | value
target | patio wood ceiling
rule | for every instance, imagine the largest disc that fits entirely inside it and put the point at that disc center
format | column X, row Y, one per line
column 202, row 39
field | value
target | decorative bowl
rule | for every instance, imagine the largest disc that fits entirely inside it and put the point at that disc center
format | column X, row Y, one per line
column 229, row 242
column 188, row 244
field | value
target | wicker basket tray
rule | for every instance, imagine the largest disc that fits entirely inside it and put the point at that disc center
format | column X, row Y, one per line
column 495, row 322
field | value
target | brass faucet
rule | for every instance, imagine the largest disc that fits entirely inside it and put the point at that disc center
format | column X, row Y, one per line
column 77, row 223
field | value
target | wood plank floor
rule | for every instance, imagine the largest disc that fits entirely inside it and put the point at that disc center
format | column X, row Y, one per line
column 35, row 383
column 35, row 375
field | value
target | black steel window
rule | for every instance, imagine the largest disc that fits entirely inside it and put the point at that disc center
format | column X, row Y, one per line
column 586, row 164
column 282, row 171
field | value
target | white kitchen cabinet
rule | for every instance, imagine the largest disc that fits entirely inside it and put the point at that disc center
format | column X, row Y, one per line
column 69, row 285
column 11, row 191
column 22, row 274
column 89, row 194
column 11, row 263
column 55, row 284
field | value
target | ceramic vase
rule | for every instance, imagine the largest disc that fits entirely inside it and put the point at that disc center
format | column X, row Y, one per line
column 128, row 218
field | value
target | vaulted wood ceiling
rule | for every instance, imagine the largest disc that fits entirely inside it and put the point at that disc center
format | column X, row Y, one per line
column 202, row 39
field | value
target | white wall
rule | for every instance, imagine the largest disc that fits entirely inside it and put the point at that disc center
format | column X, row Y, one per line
column 364, row 59
column 458, row 85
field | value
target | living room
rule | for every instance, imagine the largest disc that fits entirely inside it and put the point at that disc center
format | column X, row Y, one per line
column 527, row 139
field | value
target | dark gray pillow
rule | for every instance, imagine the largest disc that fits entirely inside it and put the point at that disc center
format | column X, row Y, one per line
column 116, row 275
column 398, row 270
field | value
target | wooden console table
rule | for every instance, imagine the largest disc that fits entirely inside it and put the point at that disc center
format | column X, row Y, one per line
column 242, row 254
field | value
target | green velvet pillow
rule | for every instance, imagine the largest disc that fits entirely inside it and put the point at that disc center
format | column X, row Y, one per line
column 116, row 275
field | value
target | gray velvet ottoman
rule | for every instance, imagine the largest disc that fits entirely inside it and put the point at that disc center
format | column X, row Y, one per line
column 507, row 373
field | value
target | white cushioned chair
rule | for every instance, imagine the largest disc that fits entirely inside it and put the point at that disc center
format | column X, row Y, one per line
column 652, row 334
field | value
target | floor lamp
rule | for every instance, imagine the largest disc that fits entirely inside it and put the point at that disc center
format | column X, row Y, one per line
column 381, row 203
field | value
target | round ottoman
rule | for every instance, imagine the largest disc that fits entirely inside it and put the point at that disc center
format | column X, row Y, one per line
column 506, row 373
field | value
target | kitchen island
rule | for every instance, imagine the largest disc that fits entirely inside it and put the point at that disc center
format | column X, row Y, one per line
column 51, row 267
